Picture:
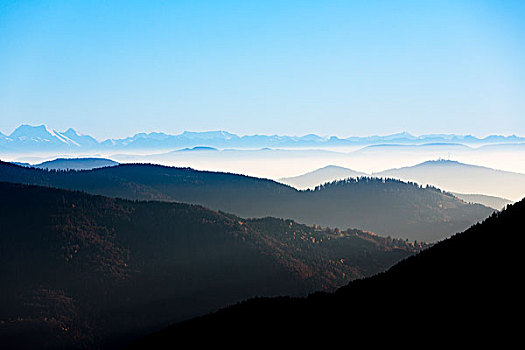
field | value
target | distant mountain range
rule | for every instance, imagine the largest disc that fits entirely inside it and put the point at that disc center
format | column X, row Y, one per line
column 28, row 138
column 471, row 183
column 464, row 290
column 386, row 207
column 80, row 271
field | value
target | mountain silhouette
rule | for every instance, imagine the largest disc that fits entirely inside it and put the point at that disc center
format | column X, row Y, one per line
column 320, row 176
column 462, row 178
column 85, row 271
column 488, row 201
column 75, row 164
column 384, row 206
column 467, row 182
column 460, row 291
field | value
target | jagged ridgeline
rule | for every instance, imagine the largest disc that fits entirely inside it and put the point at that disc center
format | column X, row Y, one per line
column 79, row 270
column 386, row 207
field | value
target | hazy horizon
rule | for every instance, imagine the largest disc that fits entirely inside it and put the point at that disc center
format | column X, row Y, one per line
column 161, row 131
column 164, row 160
column 269, row 157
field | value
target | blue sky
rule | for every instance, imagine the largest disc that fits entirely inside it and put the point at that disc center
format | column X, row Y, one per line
column 113, row 68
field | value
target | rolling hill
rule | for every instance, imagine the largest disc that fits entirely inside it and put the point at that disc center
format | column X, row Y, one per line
column 386, row 207
column 451, row 176
column 75, row 164
column 85, row 271
column 488, row 201
column 320, row 176
column 462, row 178
column 459, row 291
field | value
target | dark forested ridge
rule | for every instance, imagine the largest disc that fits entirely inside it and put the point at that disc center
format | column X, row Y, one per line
column 386, row 207
column 86, row 271
column 465, row 290
column 320, row 176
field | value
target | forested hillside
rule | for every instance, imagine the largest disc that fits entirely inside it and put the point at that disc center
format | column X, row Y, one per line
column 84, row 271
column 466, row 290
column 386, row 207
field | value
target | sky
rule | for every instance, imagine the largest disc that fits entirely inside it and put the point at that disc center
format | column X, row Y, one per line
column 344, row 68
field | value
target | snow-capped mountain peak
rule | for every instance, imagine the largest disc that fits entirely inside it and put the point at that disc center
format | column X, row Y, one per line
column 41, row 134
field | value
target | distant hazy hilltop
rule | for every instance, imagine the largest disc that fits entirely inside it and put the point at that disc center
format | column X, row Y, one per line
column 471, row 183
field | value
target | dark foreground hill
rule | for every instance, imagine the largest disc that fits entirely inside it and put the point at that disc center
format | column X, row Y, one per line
column 465, row 290
column 386, row 207
column 84, row 271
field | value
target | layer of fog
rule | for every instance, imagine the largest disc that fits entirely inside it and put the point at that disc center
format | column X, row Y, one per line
column 279, row 163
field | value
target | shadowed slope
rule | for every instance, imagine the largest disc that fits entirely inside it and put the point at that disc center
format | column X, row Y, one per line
column 386, row 207
column 465, row 289
column 81, row 271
